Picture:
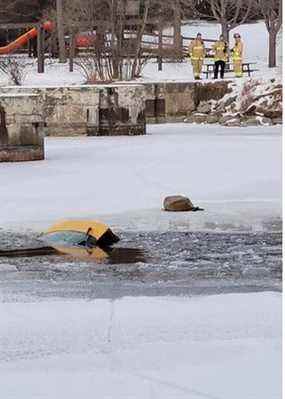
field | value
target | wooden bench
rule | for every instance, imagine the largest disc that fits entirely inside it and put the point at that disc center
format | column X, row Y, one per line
column 247, row 67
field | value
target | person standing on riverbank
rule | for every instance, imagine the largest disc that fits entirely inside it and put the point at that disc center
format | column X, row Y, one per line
column 220, row 56
column 237, row 55
column 197, row 54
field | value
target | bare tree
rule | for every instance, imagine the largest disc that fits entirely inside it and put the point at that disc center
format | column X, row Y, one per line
column 170, row 14
column 3, row 128
column 228, row 13
column 272, row 13
column 114, row 31
column 177, row 14
column 113, row 36
column 19, row 10
column 60, row 30
column 15, row 68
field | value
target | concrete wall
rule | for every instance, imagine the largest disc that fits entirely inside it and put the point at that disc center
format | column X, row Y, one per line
column 168, row 102
column 86, row 109
column 64, row 108
column 23, row 118
column 118, row 108
column 21, row 127
column 22, row 153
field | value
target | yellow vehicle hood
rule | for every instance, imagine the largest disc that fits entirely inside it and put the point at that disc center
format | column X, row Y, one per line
column 100, row 231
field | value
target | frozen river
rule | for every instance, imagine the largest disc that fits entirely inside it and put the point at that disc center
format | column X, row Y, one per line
column 147, row 329
column 234, row 173
column 233, row 246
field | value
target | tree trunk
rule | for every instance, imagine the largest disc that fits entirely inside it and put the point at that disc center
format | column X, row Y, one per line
column 272, row 49
column 41, row 49
column 72, row 48
column 225, row 31
column 159, row 59
column 177, row 31
column 60, row 31
column 3, row 128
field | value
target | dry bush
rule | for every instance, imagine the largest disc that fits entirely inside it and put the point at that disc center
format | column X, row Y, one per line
column 114, row 31
column 15, row 68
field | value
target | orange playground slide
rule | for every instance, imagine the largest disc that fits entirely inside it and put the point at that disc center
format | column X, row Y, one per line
column 23, row 39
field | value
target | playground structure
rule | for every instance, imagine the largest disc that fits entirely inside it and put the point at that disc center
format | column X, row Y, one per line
column 82, row 40
column 38, row 32
column 24, row 39
column 155, row 44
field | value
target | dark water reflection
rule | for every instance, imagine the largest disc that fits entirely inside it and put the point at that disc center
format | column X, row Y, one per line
column 148, row 264
column 94, row 255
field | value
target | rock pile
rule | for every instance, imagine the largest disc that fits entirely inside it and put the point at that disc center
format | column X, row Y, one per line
column 256, row 103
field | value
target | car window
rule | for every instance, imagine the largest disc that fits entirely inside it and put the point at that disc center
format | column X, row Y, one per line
column 65, row 238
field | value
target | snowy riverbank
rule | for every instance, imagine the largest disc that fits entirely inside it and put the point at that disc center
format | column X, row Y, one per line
column 255, row 39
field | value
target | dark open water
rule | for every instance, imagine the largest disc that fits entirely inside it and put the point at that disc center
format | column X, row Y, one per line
column 157, row 264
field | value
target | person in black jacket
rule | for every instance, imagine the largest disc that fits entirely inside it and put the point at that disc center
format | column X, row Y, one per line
column 221, row 53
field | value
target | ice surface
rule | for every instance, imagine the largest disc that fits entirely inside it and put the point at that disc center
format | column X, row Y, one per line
column 216, row 347
column 234, row 173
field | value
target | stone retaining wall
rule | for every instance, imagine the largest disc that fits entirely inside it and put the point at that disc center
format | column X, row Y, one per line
column 86, row 109
column 168, row 102
column 21, row 153
column 118, row 108
column 21, row 127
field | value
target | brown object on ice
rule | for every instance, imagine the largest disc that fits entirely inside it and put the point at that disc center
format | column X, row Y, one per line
column 177, row 203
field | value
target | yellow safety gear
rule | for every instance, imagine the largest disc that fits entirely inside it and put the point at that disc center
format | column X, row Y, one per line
column 220, row 49
column 237, row 51
column 238, row 68
column 197, row 67
column 197, row 50
column 197, row 54
column 237, row 55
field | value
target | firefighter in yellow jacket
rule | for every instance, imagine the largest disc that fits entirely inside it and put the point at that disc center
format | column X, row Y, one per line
column 221, row 51
column 197, row 54
column 237, row 55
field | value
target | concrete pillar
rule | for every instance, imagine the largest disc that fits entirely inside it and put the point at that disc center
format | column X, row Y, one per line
column 121, row 111
column 92, row 120
column 24, row 128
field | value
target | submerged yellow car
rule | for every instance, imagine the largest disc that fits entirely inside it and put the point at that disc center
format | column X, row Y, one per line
column 83, row 239
column 88, row 233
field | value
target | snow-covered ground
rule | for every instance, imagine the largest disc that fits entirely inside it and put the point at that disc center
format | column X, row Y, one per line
column 256, row 50
column 213, row 347
column 255, row 40
column 235, row 173
column 217, row 347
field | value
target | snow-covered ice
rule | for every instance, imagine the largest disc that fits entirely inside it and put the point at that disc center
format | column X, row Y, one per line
column 215, row 347
column 235, row 173
column 211, row 347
